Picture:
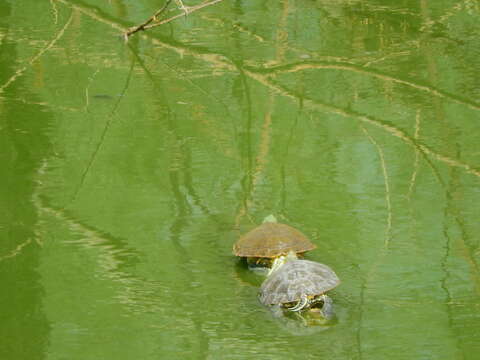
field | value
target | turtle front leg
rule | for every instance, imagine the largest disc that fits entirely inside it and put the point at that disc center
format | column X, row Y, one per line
column 302, row 303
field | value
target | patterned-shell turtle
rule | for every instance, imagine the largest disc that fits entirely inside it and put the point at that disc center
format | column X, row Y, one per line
column 271, row 240
column 300, row 285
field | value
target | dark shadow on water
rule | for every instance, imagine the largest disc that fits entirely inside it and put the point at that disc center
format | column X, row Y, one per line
column 246, row 276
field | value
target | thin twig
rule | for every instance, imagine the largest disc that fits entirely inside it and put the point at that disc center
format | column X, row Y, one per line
column 149, row 20
column 190, row 10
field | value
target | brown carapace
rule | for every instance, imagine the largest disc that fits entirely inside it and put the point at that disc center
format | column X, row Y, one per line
column 271, row 240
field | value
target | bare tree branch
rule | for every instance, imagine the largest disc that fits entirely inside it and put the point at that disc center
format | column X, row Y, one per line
column 189, row 9
column 153, row 20
column 154, row 17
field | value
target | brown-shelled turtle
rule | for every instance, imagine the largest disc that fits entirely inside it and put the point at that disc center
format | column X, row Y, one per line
column 270, row 241
column 300, row 285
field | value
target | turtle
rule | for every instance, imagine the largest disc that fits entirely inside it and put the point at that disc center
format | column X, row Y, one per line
column 269, row 241
column 300, row 285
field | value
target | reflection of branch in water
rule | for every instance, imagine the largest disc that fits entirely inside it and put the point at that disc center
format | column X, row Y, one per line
column 368, row 278
column 117, row 253
column 247, row 181
column 20, row 71
column 363, row 59
column 113, row 254
column 16, row 251
column 462, row 242
column 103, row 135
column 447, row 248
column 443, row 264
column 452, row 242
column 236, row 26
column 221, row 62
column 387, row 187
column 266, row 133
column 55, row 11
column 44, row 104
column 318, row 65
column 179, row 145
column 392, row 130
column 358, row 332
column 265, row 140
column 189, row 80
column 260, row 163
column 451, row 189
column 410, row 303
column 458, row 6
column 282, row 34
column 417, row 156
column 87, row 95
column 387, row 57
column 412, row 182
column 183, row 210
column 241, row 28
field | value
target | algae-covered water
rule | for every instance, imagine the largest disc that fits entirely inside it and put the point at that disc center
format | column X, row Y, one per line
column 128, row 170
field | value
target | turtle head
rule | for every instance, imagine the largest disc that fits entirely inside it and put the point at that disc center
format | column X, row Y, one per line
column 279, row 261
column 277, row 264
column 270, row 218
column 291, row 255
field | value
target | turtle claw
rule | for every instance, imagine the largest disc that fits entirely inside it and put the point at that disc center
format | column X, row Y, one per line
column 302, row 303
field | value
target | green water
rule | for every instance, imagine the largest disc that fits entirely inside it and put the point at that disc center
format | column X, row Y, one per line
column 128, row 170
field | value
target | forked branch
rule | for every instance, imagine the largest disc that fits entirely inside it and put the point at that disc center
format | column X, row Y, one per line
column 154, row 17
column 153, row 20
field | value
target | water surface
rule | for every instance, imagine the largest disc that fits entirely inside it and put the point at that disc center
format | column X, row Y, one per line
column 130, row 169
